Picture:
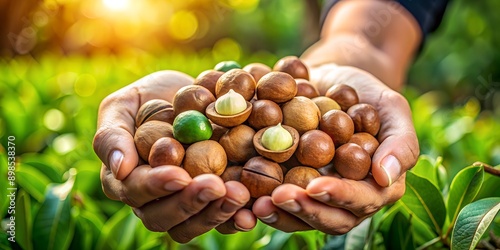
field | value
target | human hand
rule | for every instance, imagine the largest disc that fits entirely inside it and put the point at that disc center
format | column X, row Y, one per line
column 334, row 205
column 165, row 198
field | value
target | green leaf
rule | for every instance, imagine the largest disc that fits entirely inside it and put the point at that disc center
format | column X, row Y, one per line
column 24, row 221
column 424, row 200
column 400, row 233
column 425, row 168
column 118, row 232
column 53, row 226
column 472, row 222
column 490, row 187
column 464, row 188
column 356, row 238
column 32, row 180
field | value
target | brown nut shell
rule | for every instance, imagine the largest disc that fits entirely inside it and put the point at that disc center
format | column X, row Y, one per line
column 301, row 113
column 205, row 157
column 338, row 125
column 278, row 87
column 325, row 104
column 166, row 151
column 217, row 131
column 264, row 113
column 238, row 80
column 316, row 149
column 257, row 70
column 365, row 118
column 232, row 173
column 305, row 88
column 228, row 120
column 238, row 143
column 293, row 66
column 301, row 176
column 366, row 141
column 148, row 133
column 277, row 156
column 352, row 162
column 261, row 176
column 208, row 79
column 344, row 95
column 192, row 97
column 155, row 109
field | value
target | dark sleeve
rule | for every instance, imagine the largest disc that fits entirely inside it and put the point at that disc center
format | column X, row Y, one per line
column 428, row 13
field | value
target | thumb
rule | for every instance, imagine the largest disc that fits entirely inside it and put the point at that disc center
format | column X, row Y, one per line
column 399, row 149
column 114, row 141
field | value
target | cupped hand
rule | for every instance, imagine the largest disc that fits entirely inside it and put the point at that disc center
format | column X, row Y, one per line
column 335, row 205
column 165, row 198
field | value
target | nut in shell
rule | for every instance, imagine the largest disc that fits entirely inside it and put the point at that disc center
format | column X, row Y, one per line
column 238, row 80
column 155, row 109
column 293, row 66
column 344, row 95
column 316, row 149
column 365, row 118
column 352, row 162
column 166, row 151
column 261, row 176
column 301, row 176
column 148, row 133
column 301, row 113
column 238, row 143
column 205, row 157
column 338, row 125
column 192, row 97
column 277, row 156
column 278, row 87
column 265, row 113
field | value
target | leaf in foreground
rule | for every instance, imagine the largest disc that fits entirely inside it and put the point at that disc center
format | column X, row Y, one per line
column 472, row 223
column 53, row 226
column 464, row 189
column 424, row 200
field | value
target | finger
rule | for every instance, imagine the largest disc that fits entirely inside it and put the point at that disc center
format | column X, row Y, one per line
column 328, row 219
column 361, row 198
column 167, row 212
column 145, row 184
column 272, row 215
column 243, row 220
column 114, row 141
column 399, row 149
column 214, row 214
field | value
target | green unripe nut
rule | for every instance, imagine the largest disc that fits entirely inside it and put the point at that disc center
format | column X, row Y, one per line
column 276, row 138
column 225, row 66
column 230, row 103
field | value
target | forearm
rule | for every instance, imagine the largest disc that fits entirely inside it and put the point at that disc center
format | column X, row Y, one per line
column 380, row 37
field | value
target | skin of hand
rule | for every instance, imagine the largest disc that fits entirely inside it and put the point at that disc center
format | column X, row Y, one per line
column 374, row 41
column 165, row 198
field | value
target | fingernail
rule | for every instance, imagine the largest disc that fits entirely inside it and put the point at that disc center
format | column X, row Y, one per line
column 321, row 196
column 230, row 206
column 115, row 161
column 391, row 167
column 208, row 195
column 290, row 206
column 272, row 218
column 175, row 185
column 241, row 229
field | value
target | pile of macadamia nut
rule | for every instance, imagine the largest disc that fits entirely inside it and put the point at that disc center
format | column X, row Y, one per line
column 270, row 126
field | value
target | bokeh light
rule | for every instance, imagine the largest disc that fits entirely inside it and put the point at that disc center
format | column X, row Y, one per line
column 54, row 119
column 116, row 4
column 183, row 25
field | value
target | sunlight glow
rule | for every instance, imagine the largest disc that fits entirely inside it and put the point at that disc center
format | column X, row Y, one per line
column 116, row 4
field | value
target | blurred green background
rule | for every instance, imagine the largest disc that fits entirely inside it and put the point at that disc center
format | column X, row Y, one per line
column 60, row 58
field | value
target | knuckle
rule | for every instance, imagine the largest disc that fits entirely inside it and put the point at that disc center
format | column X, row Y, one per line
column 128, row 199
column 187, row 209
